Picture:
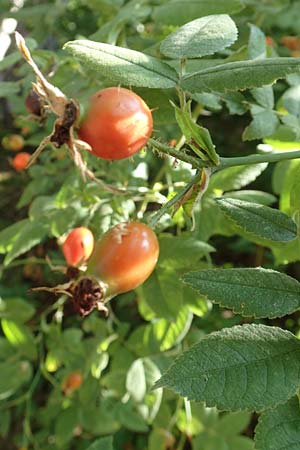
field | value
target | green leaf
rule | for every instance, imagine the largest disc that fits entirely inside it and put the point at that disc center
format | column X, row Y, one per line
column 261, row 197
column 197, row 137
column 240, row 75
column 136, row 380
column 13, row 376
column 20, row 337
column 250, row 367
column 236, row 177
column 257, row 48
column 254, row 292
column 125, row 66
column 262, row 221
column 263, row 124
column 241, row 443
column 9, row 60
column 5, row 421
column 66, row 422
column 291, row 100
column 206, row 441
column 232, row 424
column 178, row 12
column 181, row 251
column 99, row 420
column 130, row 419
column 10, row 234
column 208, row 100
column 8, row 88
column 161, row 335
column 235, row 102
column 31, row 234
column 16, row 309
column 37, row 186
column 150, row 406
column 264, row 96
column 279, row 428
column 41, row 207
column 105, row 443
column 162, row 293
column 201, row 37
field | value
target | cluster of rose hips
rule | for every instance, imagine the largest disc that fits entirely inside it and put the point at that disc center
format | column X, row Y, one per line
column 117, row 125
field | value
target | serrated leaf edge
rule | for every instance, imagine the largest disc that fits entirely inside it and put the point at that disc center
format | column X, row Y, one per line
column 251, row 233
column 159, row 383
column 234, row 309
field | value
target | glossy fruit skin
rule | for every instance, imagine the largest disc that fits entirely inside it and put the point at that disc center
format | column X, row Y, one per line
column 20, row 161
column 72, row 382
column 117, row 125
column 78, row 246
column 124, row 257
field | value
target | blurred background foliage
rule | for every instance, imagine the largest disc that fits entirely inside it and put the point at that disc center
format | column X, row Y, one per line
column 118, row 359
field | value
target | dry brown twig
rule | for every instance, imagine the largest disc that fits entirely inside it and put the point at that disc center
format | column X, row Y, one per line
column 67, row 113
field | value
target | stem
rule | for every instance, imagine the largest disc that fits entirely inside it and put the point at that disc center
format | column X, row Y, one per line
column 225, row 162
column 164, row 209
column 258, row 158
column 181, row 155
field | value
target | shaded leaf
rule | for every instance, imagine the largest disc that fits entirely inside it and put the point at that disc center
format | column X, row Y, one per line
column 10, row 234
column 178, row 12
column 29, row 236
column 279, row 428
column 236, row 177
column 263, row 124
column 8, row 88
column 13, row 376
column 261, row 197
column 16, row 309
column 105, row 443
column 161, row 335
column 257, row 48
column 20, row 337
column 181, row 251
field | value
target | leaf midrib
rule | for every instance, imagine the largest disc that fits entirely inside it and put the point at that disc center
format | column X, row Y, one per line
column 175, row 80
column 245, row 64
column 254, row 213
column 246, row 363
column 249, row 285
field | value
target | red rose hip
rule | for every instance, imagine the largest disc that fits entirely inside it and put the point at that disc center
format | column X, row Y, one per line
column 78, row 246
column 118, row 123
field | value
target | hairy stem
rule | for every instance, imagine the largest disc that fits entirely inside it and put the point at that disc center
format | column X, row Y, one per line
column 225, row 162
column 178, row 154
